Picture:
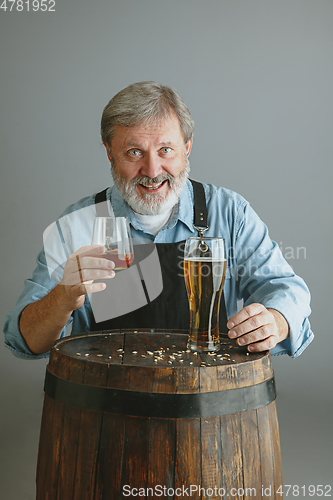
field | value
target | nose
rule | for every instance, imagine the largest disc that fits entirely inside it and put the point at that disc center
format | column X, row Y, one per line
column 151, row 166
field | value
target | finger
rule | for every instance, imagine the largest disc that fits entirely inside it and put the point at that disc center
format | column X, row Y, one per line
column 95, row 263
column 252, row 324
column 245, row 313
column 258, row 335
column 86, row 276
column 75, row 270
column 265, row 345
column 88, row 250
column 77, row 291
column 74, row 267
column 96, row 274
column 93, row 288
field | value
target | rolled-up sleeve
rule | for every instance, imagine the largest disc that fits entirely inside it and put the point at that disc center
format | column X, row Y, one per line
column 35, row 289
column 264, row 276
column 60, row 239
column 58, row 244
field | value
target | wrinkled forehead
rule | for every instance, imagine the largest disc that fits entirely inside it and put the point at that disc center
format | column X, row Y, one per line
column 165, row 130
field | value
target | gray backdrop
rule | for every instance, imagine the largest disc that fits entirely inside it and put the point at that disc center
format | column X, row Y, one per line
column 257, row 76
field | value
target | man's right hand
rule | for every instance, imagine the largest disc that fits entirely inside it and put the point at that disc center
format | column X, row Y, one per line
column 81, row 269
column 41, row 322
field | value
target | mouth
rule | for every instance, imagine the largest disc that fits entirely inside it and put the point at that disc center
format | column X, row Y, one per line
column 153, row 187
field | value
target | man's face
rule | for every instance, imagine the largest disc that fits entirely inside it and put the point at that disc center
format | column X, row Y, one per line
column 150, row 164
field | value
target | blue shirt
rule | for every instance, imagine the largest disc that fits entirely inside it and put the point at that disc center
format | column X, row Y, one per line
column 256, row 269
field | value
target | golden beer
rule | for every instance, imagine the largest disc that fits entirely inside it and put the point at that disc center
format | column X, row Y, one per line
column 204, row 281
column 205, row 266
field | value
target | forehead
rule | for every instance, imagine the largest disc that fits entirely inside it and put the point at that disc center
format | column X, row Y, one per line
column 155, row 132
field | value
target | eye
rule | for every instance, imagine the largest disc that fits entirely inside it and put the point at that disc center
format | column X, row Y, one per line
column 134, row 153
column 166, row 150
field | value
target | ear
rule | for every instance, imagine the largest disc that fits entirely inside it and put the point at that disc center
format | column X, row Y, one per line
column 108, row 151
column 188, row 146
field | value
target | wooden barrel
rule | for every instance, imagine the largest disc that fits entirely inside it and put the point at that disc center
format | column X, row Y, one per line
column 135, row 413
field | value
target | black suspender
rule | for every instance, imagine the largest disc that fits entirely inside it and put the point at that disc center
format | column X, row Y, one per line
column 101, row 204
column 200, row 209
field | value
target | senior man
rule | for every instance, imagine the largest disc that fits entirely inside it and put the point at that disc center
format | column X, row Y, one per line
column 147, row 131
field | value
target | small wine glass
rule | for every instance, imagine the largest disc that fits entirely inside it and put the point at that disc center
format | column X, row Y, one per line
column 115, row 235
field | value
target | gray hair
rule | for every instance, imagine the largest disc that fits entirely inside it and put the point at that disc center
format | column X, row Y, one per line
column 144, row 102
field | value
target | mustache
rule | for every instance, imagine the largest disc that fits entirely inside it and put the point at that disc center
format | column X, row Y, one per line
column 145, row 180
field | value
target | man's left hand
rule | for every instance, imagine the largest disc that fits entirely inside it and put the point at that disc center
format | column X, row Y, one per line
column 258, row 328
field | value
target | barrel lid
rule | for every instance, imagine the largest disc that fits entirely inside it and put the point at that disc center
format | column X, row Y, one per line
column 146, row 347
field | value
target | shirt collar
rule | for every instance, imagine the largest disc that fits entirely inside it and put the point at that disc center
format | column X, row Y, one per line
column 183, row 212
column 119, row 205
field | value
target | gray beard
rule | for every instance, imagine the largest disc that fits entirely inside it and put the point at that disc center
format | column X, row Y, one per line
column 150, row 203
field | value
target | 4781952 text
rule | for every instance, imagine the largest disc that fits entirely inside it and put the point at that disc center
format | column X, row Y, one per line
column 312, row 490
column 27, row 6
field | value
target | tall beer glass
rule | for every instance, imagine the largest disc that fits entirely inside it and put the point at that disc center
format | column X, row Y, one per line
column 204, row 271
